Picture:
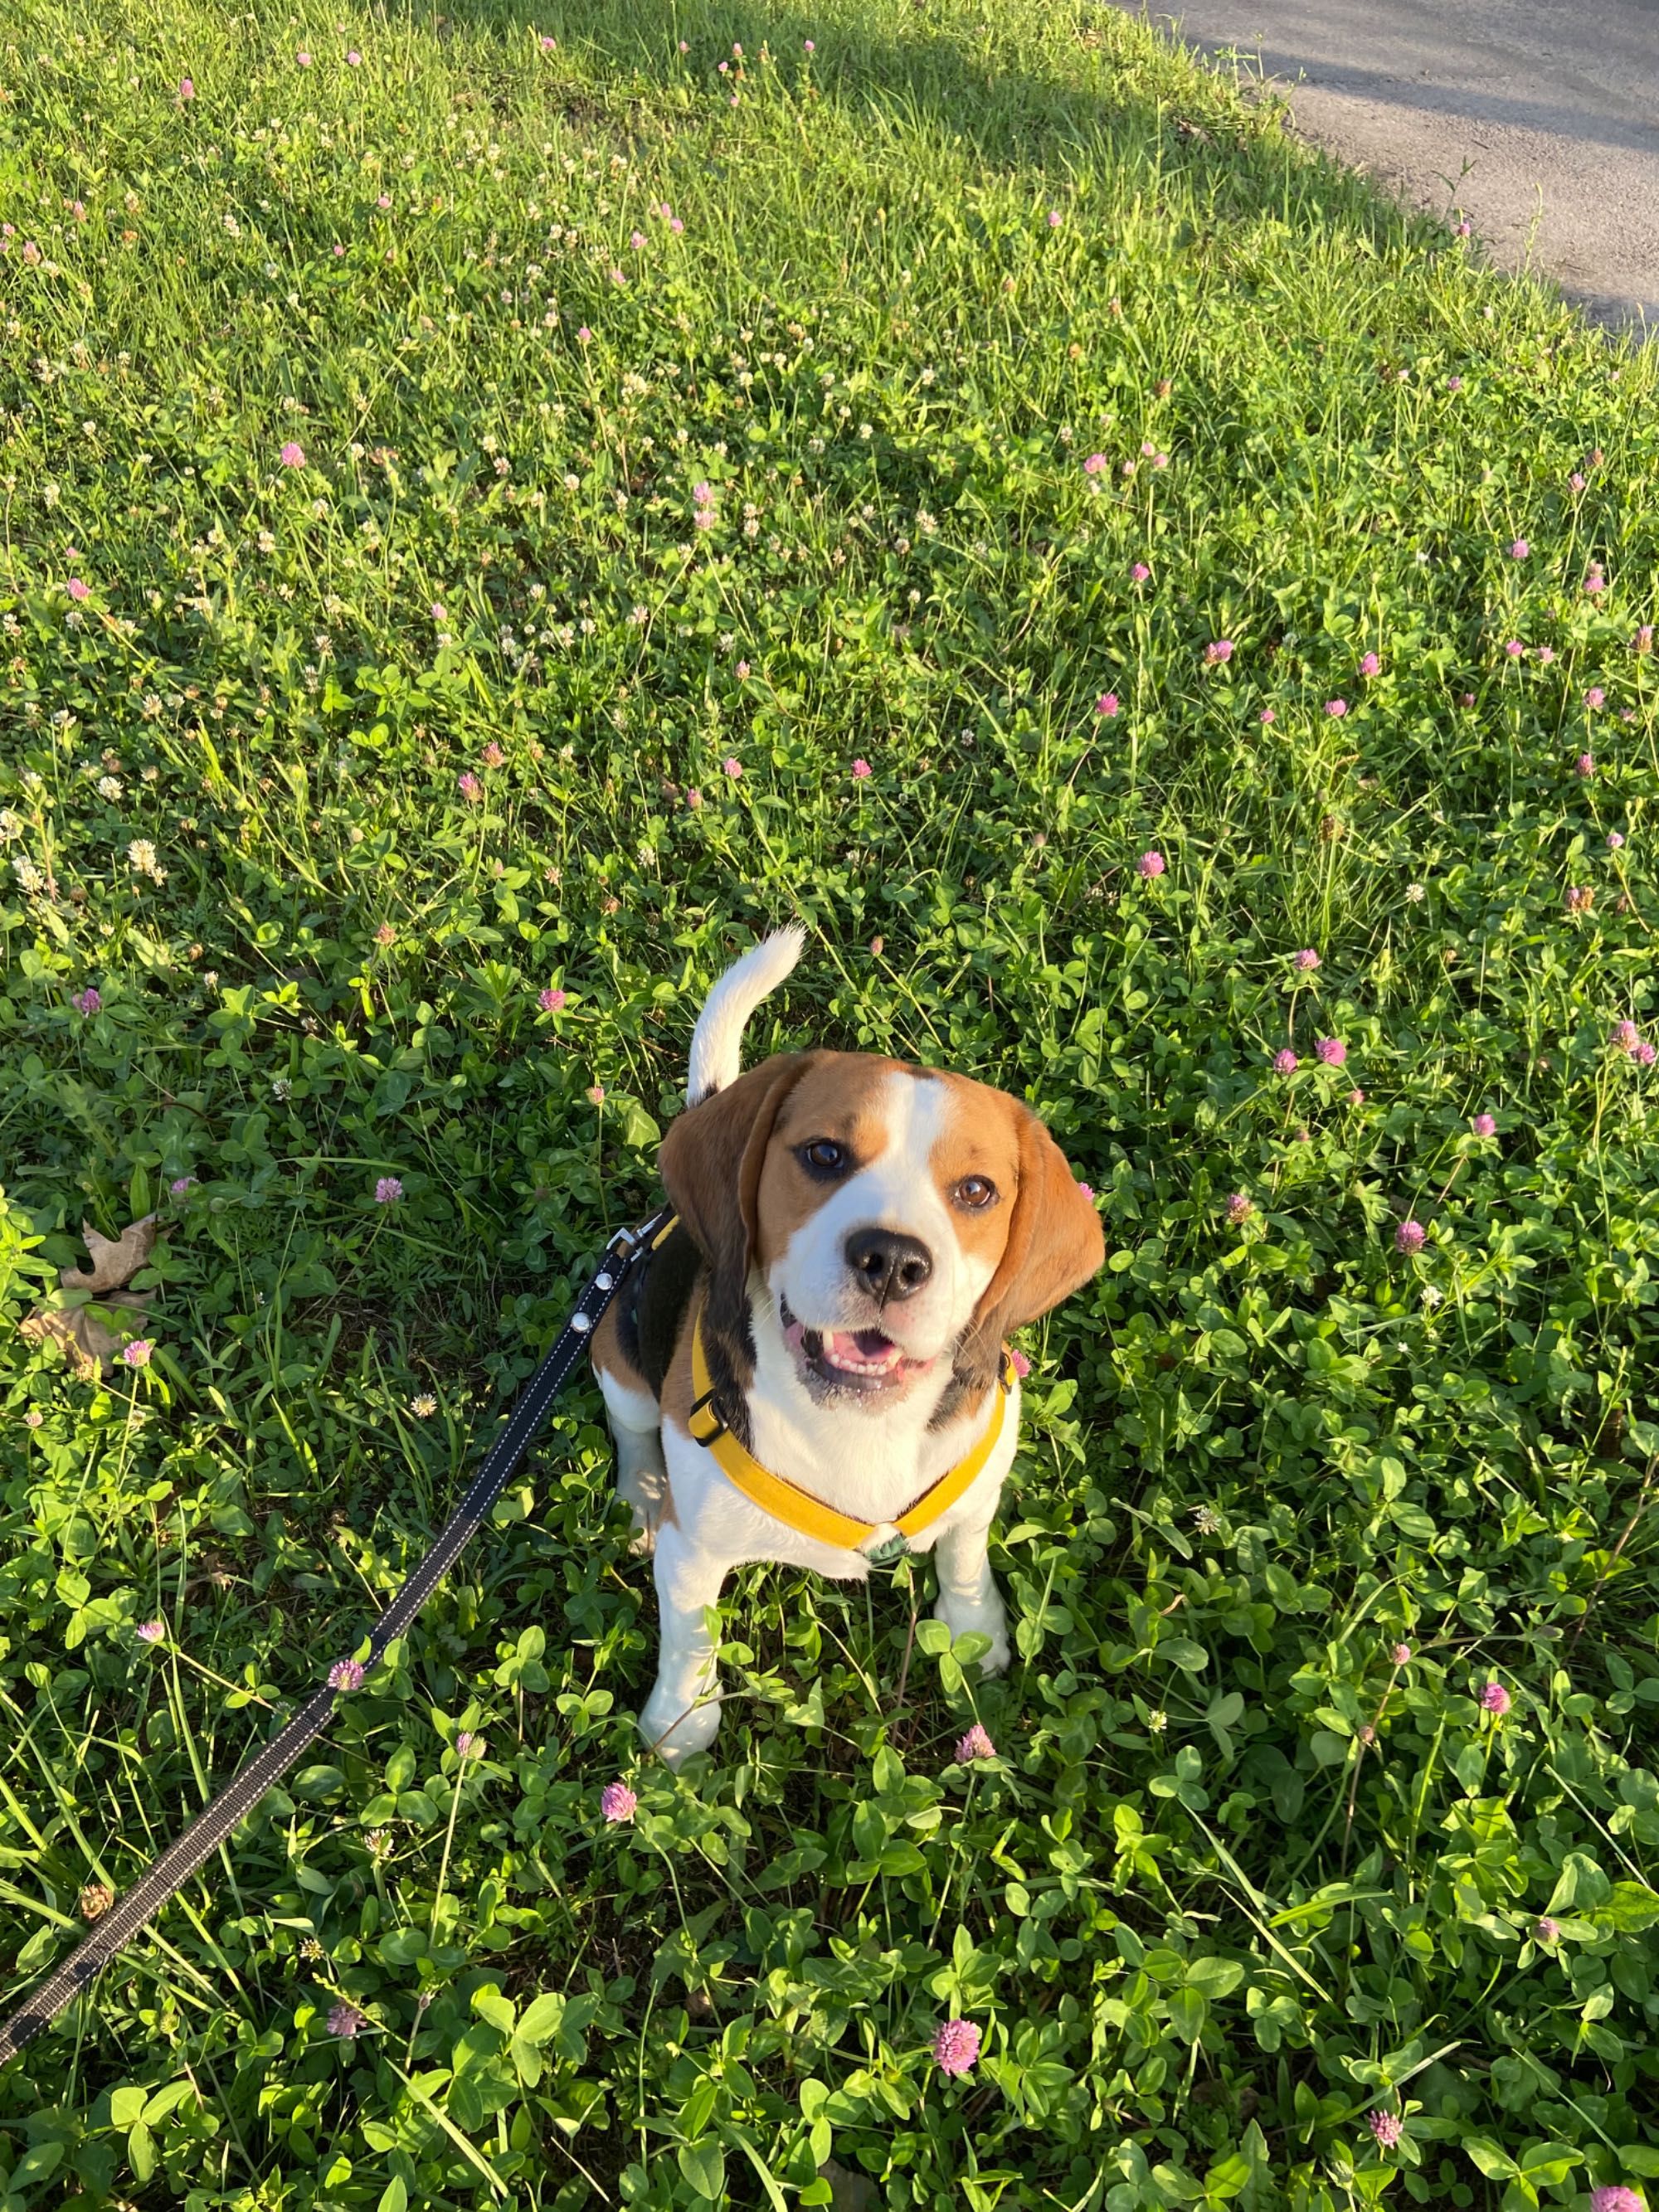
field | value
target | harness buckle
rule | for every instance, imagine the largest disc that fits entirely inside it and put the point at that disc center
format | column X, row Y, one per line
column 700, row 1406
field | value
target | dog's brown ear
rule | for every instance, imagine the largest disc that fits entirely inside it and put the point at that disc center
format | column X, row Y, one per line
column 1055, row 1243
column 711, row 1161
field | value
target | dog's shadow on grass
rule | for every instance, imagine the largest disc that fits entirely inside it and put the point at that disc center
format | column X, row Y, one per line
column 1152, row 127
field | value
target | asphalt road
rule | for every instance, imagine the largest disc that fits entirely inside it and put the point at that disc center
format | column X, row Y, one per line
column 1539, row 120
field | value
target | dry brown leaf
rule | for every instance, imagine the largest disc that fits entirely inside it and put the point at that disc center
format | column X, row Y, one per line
column 54, row 1324
column 90, row 1337
column 113, row 1264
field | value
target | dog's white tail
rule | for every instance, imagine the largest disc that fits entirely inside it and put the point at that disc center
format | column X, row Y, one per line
column 717, row 1041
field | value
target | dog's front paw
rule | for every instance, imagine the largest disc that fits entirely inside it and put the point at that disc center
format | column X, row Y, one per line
column 643, row 1541
column 675, row 1730
column 642, row 1485
column 979, row 1617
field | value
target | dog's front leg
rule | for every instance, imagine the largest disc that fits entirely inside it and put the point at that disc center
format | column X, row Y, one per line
column 969, row 1599
column 642, row 1473
column 682, row 1712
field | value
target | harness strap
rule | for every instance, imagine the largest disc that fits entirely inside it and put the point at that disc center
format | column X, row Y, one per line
column 799, row 1509
column 212, row 1827
column 662, row 1288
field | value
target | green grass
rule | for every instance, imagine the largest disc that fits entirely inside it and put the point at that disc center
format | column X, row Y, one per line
column 1234, row 1881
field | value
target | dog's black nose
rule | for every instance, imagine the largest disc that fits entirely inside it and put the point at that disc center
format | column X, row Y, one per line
column 890, row 1267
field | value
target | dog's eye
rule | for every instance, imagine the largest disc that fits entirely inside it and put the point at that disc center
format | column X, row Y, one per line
column 823, row 1156
column 975, row 1192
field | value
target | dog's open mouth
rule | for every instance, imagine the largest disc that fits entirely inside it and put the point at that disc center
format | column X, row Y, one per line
column 863, row 1359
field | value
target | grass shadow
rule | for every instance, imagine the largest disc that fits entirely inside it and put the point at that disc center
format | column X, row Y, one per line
column 1154, row 123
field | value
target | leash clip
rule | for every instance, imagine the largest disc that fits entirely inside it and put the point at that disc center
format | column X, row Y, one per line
column 626, row 1244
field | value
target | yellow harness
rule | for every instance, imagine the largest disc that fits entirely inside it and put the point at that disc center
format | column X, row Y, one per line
column 810, row 1516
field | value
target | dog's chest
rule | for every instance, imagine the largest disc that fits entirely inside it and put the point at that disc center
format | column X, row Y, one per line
column 865, row 1464
column 870, row 1478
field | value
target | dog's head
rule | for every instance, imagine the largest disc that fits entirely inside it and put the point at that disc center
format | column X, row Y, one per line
column 903, row 1220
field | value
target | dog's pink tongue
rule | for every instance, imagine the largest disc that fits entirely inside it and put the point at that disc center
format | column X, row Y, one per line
column 867, row 1345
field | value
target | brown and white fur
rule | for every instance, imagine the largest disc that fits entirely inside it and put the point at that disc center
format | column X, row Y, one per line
column 870, row 1233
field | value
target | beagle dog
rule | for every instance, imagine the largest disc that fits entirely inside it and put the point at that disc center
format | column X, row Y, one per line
column 830, row 1382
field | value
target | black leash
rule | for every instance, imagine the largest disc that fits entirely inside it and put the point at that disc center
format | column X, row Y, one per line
column 214, row 1826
